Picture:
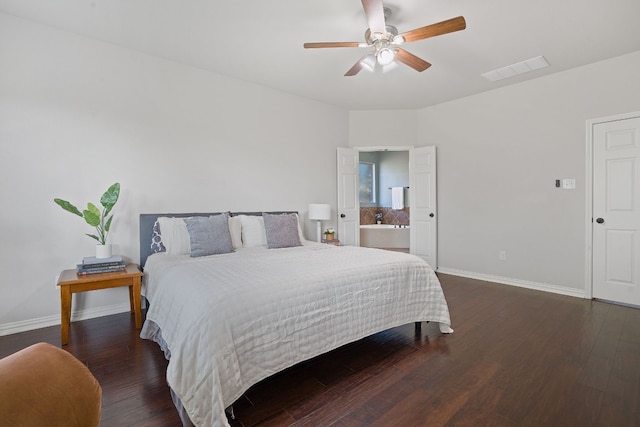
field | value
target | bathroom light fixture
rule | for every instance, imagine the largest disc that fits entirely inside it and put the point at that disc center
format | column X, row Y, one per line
column 319, row 212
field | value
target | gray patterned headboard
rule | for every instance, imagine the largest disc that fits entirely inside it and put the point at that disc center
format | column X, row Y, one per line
column 148, row 220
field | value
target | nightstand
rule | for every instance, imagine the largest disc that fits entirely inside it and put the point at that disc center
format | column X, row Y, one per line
column 70, row 283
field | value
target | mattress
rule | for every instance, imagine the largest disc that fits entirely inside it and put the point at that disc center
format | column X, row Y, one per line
column 228, row 321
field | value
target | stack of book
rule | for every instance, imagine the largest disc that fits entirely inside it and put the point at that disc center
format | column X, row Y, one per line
column 335, row 242
column 93, row 265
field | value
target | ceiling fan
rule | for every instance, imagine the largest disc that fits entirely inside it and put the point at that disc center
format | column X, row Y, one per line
column 386, row 41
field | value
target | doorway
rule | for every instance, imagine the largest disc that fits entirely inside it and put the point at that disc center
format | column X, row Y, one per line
column 383, row 183
column 613, row 223
column 420, row 191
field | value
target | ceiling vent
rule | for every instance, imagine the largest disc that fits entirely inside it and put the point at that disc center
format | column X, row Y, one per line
column 515, row 69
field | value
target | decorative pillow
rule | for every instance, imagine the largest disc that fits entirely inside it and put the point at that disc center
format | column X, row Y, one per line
column 253, row 233
column 175, row 236
column 235, row 228
column 209, row 235
column 281, row 230
column 299, row 228
column 156, row 239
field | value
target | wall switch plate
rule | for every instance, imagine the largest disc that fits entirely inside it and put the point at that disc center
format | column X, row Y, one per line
column 502, row 255
column 569, row 184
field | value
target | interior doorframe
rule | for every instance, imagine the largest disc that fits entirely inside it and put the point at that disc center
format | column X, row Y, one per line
column 591, row 123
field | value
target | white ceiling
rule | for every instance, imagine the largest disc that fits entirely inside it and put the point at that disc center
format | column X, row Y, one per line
column 261, row 41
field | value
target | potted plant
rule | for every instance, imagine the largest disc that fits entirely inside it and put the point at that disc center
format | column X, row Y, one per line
column 329, row 234
column 100, row 219
column 378, row 218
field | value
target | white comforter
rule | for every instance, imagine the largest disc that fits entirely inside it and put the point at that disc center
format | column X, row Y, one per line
column 232, row 320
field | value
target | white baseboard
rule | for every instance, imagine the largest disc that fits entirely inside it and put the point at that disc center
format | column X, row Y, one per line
column 43, row 322
column 546, row 287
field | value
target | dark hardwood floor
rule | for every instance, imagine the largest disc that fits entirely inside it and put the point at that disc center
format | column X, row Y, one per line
column 517, row 358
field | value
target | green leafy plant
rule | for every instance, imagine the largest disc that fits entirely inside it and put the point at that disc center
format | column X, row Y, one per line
column 93, row 216
column 329, row 231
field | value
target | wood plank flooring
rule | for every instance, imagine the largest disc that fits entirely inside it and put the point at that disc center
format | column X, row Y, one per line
column 517, row 358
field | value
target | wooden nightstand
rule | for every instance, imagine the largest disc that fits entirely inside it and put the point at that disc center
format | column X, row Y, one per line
column 70, row 283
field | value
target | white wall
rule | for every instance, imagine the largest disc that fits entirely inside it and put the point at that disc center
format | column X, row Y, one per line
column 77, row 115
column 499, row 154
column 383, row 128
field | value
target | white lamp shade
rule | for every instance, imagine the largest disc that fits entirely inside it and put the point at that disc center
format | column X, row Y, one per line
column 319, row 211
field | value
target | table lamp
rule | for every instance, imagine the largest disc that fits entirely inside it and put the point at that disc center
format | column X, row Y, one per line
column 319, row 212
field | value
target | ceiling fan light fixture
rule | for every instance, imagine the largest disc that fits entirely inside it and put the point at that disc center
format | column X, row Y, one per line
column 389, row 67
column 369, row 62
column 385, row 56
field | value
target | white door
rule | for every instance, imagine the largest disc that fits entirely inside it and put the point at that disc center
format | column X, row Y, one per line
column 348, row 197
column 616, row 211
column 422, row 201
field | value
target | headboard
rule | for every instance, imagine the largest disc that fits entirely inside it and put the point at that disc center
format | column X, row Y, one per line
column 148, row 220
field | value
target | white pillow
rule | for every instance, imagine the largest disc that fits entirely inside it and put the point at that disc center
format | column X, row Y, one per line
column 235, row 228
column 253, row 233
column 175, row 236
column 302, row 239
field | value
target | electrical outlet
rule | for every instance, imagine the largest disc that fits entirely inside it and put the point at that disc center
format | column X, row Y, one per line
column 502, row 255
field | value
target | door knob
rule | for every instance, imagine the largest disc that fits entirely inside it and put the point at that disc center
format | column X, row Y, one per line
column 431, row 215
column 342, row 215
column 600, row 220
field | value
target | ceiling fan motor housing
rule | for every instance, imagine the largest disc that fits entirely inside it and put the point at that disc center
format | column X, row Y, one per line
column 381, row 42
column 390, row 35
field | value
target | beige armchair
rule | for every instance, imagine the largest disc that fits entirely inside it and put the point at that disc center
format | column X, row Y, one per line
column 43, row 385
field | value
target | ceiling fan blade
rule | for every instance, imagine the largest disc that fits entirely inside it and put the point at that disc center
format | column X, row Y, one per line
column 444, row 27
column 333, row 44
column 411, row 60
column 354, row 70
column 375, row 15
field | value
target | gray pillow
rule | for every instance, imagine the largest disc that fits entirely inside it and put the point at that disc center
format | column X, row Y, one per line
column 209, row 235
column 281, row 230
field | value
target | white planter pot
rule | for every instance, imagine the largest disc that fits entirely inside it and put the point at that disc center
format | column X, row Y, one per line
column 103, row 251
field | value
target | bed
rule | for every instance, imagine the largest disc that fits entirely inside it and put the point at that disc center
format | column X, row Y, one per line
column 229, row 320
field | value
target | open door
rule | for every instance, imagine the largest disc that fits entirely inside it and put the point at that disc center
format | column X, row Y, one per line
column 348, row 197
column 422, row 199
